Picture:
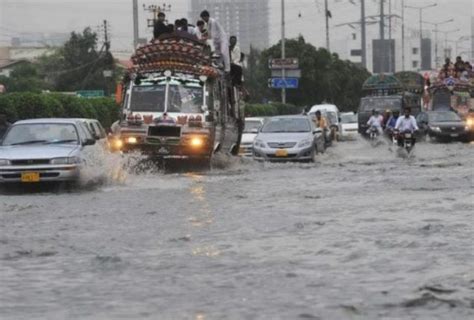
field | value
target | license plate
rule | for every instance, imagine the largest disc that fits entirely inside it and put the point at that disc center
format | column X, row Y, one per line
column 281, row 153
column 30, row 177
column 454, row 135
column 163, row 151
column 408, row 136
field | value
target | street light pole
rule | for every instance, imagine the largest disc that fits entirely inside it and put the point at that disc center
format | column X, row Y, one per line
column 283, row 54
column 436, row 30
column 420, row 11
column 446, row 40
column 363, row 36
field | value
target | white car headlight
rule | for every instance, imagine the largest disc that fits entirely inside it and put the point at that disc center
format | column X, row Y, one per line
column 66, row 160
column 4, row 162
column 437, row 129
column 304, row 143
column 259, row 144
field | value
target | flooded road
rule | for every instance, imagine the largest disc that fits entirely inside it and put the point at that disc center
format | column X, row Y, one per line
column 361, row 234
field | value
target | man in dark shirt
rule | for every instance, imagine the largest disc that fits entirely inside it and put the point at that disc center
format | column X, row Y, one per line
column 459, row 65
column 160, row 26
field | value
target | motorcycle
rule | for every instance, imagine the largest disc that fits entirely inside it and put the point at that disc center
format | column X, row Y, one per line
column 373, row 133
column 406, row 140
column 392, row 135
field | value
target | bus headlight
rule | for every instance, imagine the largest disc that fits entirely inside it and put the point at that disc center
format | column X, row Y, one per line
column 132, row 140
column 197, row 142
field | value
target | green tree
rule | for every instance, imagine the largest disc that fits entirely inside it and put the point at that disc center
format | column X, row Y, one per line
column 24, row 78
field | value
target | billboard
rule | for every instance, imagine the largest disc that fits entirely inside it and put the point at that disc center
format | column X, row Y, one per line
column 383, row 56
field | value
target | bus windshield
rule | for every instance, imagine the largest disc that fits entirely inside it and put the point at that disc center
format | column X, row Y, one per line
column 380, row 104
column 181, row 98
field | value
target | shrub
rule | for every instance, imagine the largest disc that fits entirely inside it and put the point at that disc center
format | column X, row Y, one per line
column 18, row 106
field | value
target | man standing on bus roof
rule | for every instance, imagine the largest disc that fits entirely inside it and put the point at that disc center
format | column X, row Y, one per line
column 160, row 27
column 219, row 38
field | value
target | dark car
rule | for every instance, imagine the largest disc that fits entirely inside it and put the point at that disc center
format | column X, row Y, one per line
column 442, row 125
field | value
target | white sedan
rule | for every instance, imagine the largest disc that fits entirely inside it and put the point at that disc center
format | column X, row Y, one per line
column 44, row 150
column 349, row 126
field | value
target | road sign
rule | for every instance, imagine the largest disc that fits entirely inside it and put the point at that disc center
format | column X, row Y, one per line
column 287, row 63
column 280, row 83
column 291, row 73
column 90, row 93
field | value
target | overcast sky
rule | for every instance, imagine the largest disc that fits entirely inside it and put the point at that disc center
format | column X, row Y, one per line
column 25, row 16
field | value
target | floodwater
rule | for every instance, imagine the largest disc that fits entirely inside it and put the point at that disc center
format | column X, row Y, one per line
column 361, row 234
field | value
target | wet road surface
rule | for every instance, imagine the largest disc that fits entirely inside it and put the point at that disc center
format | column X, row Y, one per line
column 361, row 234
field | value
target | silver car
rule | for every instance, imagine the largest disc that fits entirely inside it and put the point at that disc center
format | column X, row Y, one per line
column 288, row 138
column 44, row 150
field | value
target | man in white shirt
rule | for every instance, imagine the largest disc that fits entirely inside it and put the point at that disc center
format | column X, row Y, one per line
column 235, row 53
column 407, row 123
column 235, row 62
column 375, row 121
column 219, row 38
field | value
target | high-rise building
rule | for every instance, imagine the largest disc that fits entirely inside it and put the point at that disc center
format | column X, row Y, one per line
column 246, row 19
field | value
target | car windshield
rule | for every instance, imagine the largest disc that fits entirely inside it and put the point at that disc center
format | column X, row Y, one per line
column 182, row 98
column 444, row 117
column 349, row 118
column 369, row 104
column 252, row 125
column 287, row 125
column 23, row 134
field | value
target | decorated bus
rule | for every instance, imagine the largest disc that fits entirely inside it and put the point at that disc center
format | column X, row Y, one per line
column 178, row 103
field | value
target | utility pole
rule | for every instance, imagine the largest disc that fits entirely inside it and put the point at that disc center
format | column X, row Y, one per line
column 363, row 34
column 135, row 24
column 106, row 37
column 403, row 35
column 283, row 55
column 390, row 19
column 327, row 14
column 390, row 36
column 382, row 17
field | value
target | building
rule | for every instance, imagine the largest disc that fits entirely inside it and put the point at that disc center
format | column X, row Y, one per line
column 6, row 68
column 349, row 48
column 246, row 19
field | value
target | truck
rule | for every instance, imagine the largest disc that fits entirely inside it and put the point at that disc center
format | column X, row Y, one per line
column 178, row 104
column 452, row 94
column 386, row 93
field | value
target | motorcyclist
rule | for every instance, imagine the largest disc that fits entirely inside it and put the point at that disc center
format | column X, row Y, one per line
column 392, row 122
column 322, row 123
column 375, row 122
column 406, row 124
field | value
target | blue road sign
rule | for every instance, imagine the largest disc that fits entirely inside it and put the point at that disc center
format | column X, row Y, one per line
column 280, row 83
